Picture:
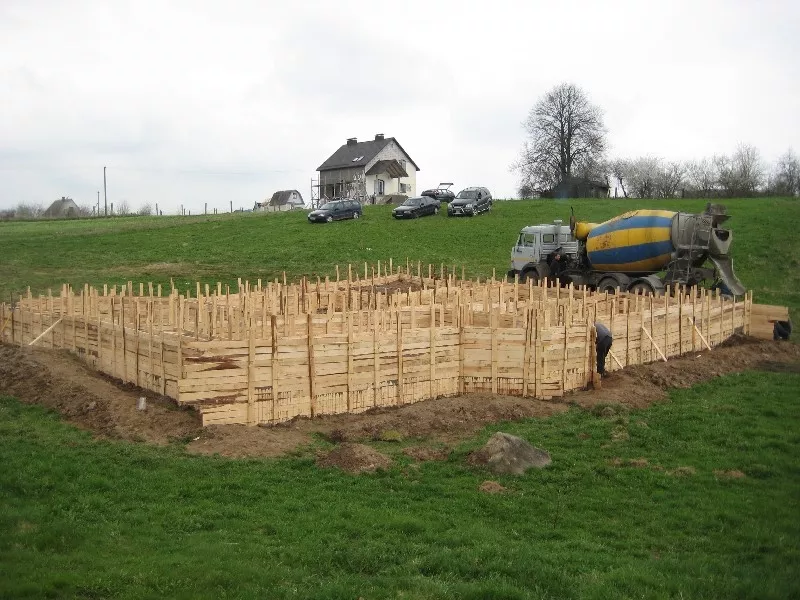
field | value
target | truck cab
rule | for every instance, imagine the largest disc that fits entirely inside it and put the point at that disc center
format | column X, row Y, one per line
column 535, row 243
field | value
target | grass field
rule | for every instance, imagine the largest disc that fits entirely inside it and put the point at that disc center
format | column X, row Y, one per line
column 99, row 519
column 766, row 250
column 88, row 519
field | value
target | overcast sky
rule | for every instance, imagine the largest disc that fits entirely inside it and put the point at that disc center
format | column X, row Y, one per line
column 188, row 102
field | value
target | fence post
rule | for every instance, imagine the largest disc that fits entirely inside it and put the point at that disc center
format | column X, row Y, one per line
column 273, row 321
column 399, row 360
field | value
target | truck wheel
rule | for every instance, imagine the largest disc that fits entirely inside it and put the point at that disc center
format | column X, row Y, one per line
column 641, row 287
column 529, row 275
column 608, row 284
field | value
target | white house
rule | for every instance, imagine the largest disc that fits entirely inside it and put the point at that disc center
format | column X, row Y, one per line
column 280, row 201
column 369, row 170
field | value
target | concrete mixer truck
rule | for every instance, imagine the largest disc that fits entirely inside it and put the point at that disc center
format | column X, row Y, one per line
column 638, row 251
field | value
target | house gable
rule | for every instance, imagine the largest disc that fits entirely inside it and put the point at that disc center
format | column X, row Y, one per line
column 365, row 154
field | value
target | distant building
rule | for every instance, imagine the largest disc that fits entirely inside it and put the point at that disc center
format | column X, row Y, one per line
column 578, row 187
column 369, row 171
column 281, row 201
column 62, row 209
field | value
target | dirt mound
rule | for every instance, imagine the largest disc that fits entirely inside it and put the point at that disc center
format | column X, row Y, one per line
column 422, row 453
column 508, row 454
column 58, row 380
column 355, row 458
column 491, row 487
column 107, row 407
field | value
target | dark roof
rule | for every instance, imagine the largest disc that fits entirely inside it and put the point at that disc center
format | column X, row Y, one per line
column 62, row 207
column 282, row 197
column 365, row 151
column 392, row 167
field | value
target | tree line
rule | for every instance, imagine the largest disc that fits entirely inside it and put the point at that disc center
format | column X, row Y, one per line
column 31, row 211
column 567, row 139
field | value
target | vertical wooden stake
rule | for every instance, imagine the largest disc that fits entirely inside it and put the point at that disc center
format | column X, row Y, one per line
column 273, row 321
column 399, row 362
column 433, row 352
column 251, row 358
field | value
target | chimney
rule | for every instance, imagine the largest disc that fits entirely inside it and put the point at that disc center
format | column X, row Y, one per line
column 378, row 137
column 352, row 141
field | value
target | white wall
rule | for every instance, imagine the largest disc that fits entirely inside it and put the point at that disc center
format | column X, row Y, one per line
column 392, row 150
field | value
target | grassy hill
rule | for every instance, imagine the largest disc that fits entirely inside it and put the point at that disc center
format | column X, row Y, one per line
column 691, row 498
column 766, row 250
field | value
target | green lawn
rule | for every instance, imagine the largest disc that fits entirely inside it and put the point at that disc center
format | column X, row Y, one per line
column 766, row 249
column 98, row 519
column 91, row 519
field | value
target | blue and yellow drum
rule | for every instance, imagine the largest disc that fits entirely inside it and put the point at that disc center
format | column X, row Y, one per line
column 635, row 242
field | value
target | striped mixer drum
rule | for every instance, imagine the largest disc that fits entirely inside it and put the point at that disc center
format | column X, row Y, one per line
column 635, row 242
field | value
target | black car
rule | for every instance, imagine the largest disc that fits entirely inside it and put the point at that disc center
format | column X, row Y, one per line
column 443, row 193
column 417, row 207
column 335, row 211
column 470, row 202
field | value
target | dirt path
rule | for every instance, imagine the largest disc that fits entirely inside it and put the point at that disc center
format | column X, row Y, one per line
column 92, row 401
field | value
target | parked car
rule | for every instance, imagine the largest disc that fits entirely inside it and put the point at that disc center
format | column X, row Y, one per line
column 336, row 210
column 470, row 202
column 417, row 207
column 443, row 193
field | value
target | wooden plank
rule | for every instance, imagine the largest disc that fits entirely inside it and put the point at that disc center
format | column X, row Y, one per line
column 647, row 333
column 44, row 333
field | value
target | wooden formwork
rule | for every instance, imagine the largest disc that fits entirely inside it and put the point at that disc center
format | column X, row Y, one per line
column 271, row 352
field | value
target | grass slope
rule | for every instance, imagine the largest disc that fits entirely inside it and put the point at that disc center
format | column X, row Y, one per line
column 90, row 519
column 766, row 250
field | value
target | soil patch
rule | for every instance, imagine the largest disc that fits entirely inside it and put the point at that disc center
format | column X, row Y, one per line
column 57, row 379
column 491, row 487
column 355, row 458
column 733, row 474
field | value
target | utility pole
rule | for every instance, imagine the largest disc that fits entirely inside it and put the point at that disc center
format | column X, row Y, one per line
column 98, row 203
column 105, row 192
column 231, row 205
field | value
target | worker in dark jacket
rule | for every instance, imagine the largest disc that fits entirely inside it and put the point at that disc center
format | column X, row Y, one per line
column 557, row 264
column 603, row 343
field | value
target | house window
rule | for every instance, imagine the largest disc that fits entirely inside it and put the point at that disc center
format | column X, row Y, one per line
column 404, row 187
column 403, row 163
column 379, row 187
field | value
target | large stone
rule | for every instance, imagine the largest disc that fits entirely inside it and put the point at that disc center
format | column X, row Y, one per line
column 508, row 454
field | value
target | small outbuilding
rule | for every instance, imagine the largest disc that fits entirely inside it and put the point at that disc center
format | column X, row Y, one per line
column 62, row 209
column 578, row 187
column 281, row 201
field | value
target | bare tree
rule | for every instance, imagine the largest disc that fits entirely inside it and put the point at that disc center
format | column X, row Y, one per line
column 565, row 131
column 145, row 210
column 123, row 208
column 526, row 191
column 85, row 210
column 643, row 176
column 670, row 178
column 29, row 211
column 702, row 177
column 785, row 178
column 743, row 173
column 620, row 170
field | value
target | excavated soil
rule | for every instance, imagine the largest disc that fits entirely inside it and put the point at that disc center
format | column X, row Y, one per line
column 354, row 458
column 106, row 407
